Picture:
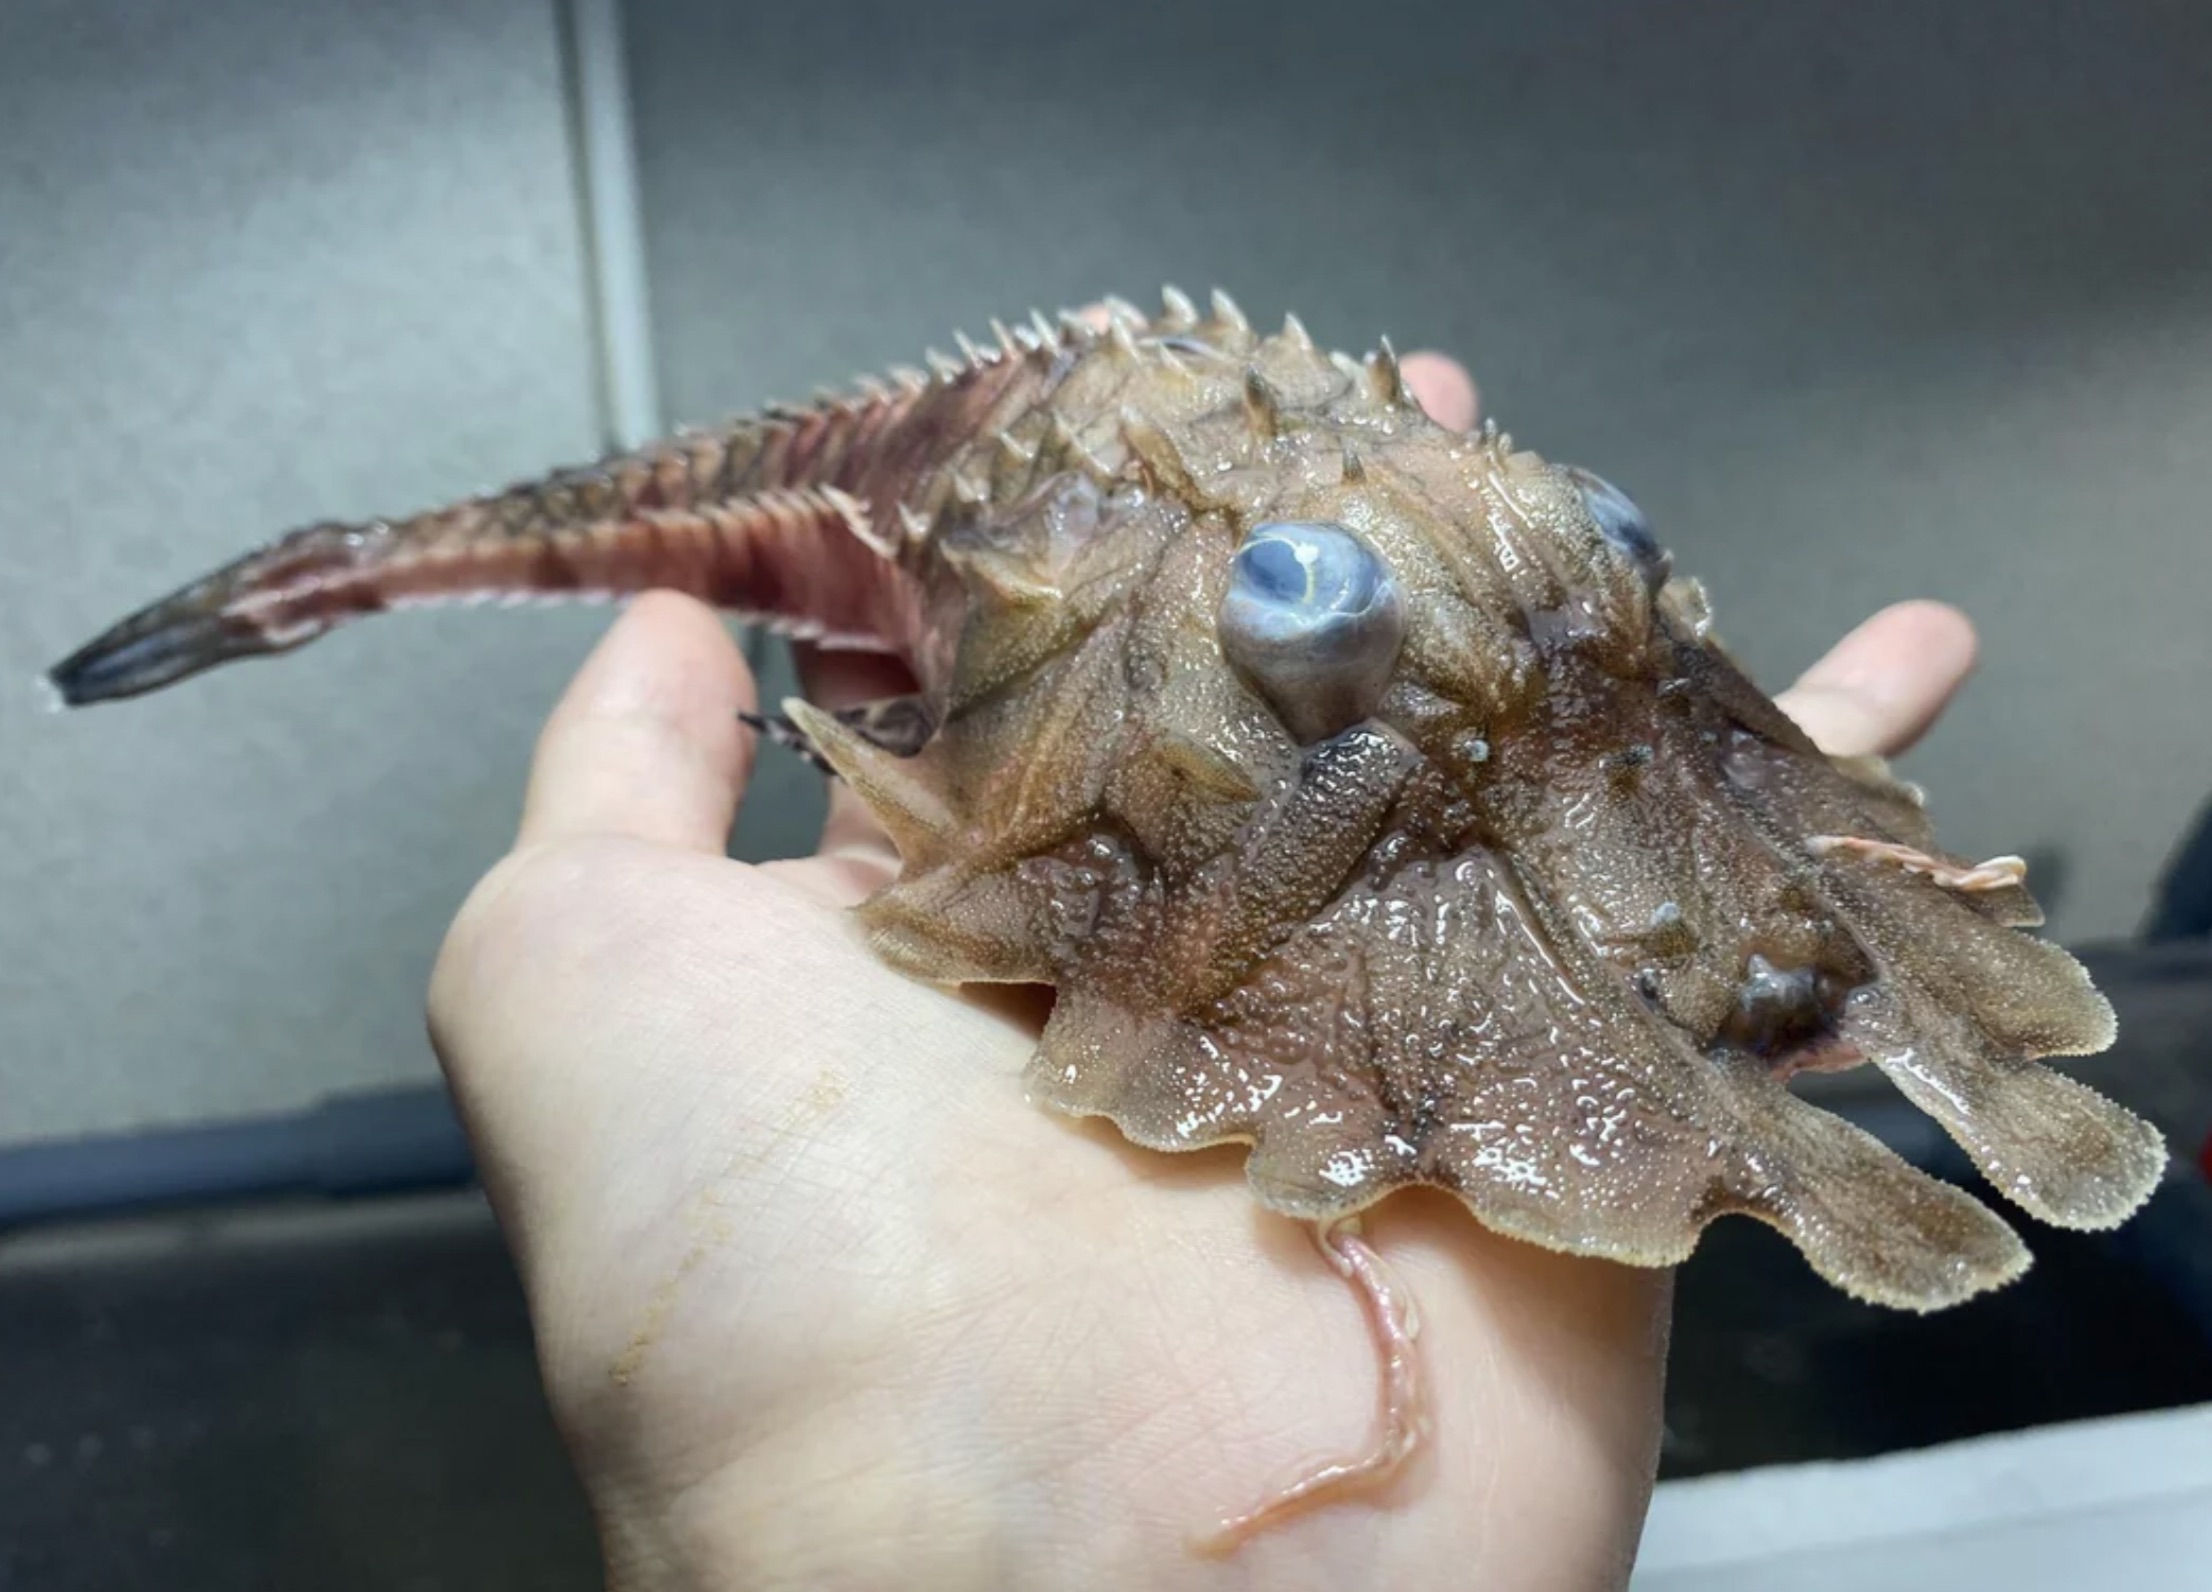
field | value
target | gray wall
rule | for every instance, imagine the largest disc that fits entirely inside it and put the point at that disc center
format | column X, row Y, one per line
column 1862, row 301
column 259, row 263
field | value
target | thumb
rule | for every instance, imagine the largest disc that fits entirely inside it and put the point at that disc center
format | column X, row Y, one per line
column 646, row 741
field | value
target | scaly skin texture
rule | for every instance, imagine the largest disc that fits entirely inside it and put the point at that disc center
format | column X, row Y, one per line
column 1549, row 929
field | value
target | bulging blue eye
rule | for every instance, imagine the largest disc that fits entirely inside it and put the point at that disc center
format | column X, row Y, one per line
column 1624, row 527
column 1314, row 621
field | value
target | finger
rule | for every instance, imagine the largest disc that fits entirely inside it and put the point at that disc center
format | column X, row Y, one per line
column 646, row 741
column 1443, row 388
column 1881, row 686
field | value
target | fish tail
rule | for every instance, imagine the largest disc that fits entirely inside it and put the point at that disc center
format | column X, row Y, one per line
column 793, row 519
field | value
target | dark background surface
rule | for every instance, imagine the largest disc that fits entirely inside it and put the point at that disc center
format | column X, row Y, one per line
column 347, row 1400
column 339, row 1398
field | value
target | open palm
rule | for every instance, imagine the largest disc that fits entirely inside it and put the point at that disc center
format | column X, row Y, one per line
column 822, row 1301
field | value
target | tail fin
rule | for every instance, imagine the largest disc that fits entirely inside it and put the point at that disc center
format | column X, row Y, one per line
column 782, row 556
column 792, row 519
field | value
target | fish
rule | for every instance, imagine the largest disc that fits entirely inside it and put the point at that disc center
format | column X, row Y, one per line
column 1372, row 794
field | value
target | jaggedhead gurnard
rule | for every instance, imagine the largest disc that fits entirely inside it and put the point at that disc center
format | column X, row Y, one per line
column 1371, row 794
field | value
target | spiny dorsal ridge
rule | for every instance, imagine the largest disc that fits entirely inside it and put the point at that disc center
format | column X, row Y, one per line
column 1263, row 403
column 1385, row 377
column 854, row 514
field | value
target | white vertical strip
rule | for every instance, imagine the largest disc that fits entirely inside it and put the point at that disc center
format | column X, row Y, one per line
column 607, row 182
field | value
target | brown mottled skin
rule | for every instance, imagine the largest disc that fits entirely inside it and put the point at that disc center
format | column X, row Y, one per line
column 1509, row 935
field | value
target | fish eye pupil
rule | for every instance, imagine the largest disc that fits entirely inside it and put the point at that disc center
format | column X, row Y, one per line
column 1274, row 569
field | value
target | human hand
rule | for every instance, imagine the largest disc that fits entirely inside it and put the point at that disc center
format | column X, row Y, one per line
column 821, row 1301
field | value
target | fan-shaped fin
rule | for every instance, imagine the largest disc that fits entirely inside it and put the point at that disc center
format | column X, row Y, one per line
column 956, row 927
column 2055, row 1147
column 1960, row 1005
column 1877, row 1228
column 895, row 788
column 1425, row 1029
